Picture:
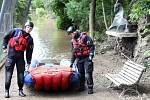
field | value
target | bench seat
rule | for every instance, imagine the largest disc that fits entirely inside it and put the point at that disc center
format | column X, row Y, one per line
column 128, row 76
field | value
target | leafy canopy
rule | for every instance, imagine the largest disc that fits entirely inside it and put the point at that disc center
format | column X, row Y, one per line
column 140, row 8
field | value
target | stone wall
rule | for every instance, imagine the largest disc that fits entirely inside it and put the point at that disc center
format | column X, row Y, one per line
column 125, row 46
column 143, row 42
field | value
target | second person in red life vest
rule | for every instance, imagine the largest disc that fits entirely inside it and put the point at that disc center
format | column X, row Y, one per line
column 83, row 52
column 18, row 41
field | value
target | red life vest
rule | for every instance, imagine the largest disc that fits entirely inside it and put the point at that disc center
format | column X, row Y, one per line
column 80, row 47
column 18, row 42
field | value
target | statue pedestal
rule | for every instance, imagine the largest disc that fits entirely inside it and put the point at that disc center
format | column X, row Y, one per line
column 125, row 42
column 121, row 34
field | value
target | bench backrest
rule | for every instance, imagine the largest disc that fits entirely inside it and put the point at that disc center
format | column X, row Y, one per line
column 132, row 72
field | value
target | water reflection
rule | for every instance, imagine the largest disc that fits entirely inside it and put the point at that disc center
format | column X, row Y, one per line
column 50, row 44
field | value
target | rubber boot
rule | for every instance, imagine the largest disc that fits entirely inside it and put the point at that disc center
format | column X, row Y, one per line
column 82, row 87
column 7, row 94
column 21, row 93
column 90, row 91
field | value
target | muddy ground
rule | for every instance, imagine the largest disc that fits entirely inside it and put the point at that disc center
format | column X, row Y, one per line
column 104, row 62
column 108, row 61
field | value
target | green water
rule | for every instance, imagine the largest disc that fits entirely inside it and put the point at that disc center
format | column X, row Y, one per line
column 51, row 44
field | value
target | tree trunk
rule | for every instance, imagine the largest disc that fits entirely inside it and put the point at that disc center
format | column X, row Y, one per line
column 104, row 15
column 111, row 10
column 92, row 18
column 26, row 12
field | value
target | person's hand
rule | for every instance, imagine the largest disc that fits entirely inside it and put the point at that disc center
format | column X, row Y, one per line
column 71, row 65
column 90, row 57
column 4, row 49
column 27, row 67
column 90, row 63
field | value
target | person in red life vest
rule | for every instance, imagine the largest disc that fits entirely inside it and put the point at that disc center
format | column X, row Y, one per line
column 83, row 52
column 18, row 41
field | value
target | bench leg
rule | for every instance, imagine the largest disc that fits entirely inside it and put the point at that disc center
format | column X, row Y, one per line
column 129, row 89
column 111, row 85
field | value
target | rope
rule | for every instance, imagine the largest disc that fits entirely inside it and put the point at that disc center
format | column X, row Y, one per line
column 125, row 56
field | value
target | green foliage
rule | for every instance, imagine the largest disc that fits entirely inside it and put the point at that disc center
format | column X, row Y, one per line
column 84, row 24
column 37, row 4
column 68, row 11
column 58, row 7
column 19, row 13
column 140, row 8
column 47, row 5
column 147, row 53
column 147, row 59
column 1, row 1
column 40, row 12
column 99, row 36
column 78, row 12
column 72, row 9
column 62, row 22
column 33, row 6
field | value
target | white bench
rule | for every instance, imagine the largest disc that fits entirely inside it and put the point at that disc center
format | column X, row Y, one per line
column 128, row 77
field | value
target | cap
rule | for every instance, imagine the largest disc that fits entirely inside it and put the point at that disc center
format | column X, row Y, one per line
column 29, row 24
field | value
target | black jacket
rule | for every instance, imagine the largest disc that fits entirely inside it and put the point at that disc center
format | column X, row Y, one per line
column 12, row 52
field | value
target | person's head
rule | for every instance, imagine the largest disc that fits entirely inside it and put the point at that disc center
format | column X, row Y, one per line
column 76, row 34
column 28, row 26
column 71, row 29
column 73, row 32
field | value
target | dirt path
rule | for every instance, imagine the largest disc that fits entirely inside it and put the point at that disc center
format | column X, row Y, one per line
column 112, row 63
column 103, row 63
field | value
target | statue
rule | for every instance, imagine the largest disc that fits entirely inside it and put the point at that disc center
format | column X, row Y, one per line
column 119, row 23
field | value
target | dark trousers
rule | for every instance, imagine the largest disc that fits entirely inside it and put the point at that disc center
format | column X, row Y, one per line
column 9, row 68
column 85, row 68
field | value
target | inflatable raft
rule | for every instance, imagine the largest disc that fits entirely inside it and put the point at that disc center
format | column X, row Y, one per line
column 52, row 78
